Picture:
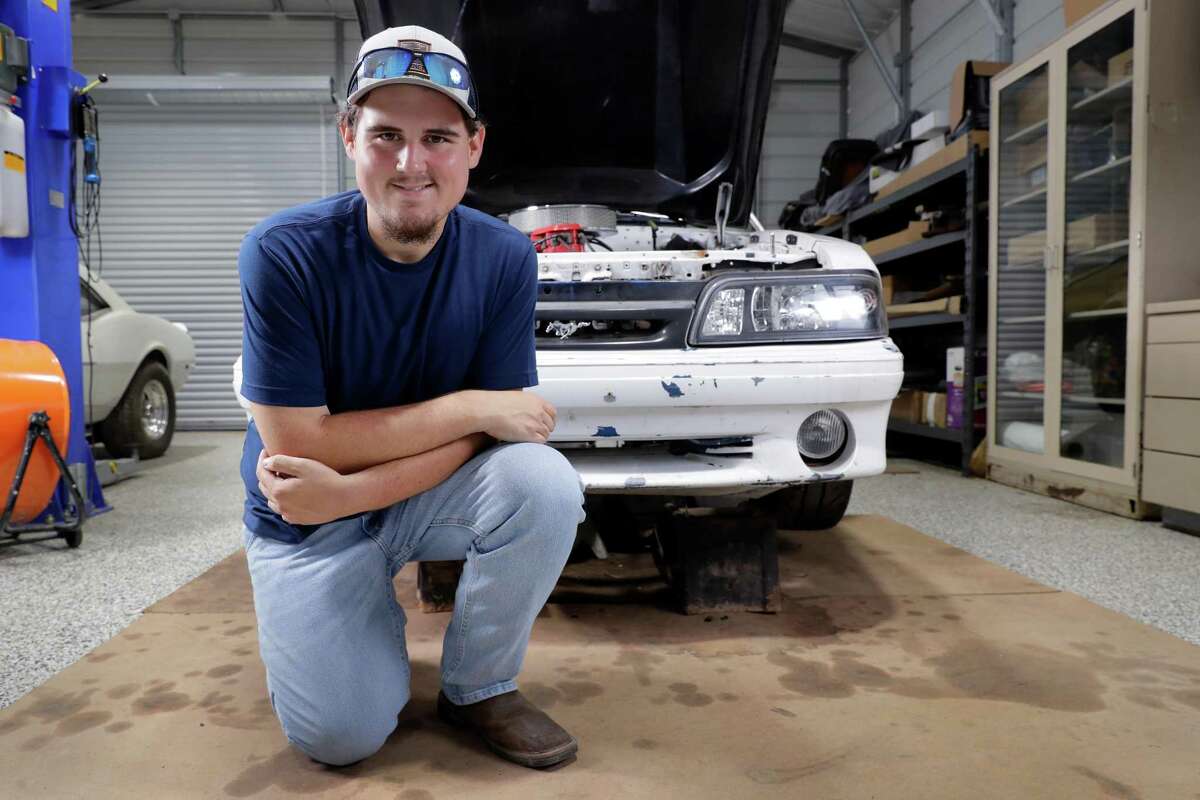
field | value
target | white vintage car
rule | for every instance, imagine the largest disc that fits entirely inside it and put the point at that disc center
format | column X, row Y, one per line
column 133, row 364
column 755, row 364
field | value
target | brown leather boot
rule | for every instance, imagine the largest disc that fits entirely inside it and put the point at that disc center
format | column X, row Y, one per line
column 513, row 728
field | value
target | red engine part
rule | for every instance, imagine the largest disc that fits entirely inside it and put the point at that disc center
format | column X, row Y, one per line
column 568, row 238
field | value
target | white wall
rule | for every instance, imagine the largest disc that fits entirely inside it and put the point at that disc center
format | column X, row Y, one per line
column 122, row 45
column 936, row 53
column 801, row 121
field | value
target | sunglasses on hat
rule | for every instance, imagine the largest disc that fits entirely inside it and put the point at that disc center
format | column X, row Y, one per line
column 400, row 62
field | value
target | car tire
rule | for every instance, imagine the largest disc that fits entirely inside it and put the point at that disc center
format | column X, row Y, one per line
column 811, row 507
column 144, row 420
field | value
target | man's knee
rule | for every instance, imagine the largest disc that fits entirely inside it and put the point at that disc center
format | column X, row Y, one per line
column 345, row 733
column 540, row 474
column 340, row 744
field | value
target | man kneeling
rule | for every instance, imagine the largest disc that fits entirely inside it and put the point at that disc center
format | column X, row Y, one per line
column 388, row 336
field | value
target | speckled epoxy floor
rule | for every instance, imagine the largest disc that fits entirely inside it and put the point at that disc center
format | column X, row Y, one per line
column 182, row 515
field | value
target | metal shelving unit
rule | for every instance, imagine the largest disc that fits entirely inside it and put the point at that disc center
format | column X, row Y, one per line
column 968, row 328
column 925, row 321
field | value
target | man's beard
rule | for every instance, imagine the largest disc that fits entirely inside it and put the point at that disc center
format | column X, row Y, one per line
column 410, row 230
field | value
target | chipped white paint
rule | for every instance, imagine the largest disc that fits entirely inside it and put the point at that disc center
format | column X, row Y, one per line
column 762, row 392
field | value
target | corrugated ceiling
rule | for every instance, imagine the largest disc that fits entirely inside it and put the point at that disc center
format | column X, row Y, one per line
column 822, row 20
column 828, row 20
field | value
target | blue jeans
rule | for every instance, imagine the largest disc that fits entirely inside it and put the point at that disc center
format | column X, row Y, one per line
column 331, row 633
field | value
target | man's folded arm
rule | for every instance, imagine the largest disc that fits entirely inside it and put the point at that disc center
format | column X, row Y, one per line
column 385, row 484
column 356, row 440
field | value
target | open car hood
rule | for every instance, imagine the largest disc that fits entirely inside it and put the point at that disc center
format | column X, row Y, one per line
column 642, row 105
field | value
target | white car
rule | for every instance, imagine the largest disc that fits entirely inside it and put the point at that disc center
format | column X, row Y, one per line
column 133, row 364
column 691, row 354
column 756, row 364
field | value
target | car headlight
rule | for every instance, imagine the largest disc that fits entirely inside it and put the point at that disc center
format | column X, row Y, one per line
column 744, row 308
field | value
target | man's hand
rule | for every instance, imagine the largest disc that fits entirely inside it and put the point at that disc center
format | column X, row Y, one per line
column 516, row 416
column 303, row 491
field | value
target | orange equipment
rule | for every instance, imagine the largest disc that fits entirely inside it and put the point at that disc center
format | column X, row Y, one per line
column 31, row 380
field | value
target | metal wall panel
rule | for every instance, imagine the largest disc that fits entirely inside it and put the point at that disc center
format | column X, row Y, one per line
column 872, row 108
column 182, row 185
column 801, row 121
column 944, row 34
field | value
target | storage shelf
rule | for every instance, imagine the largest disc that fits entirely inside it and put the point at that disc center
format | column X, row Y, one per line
column 925, row 321
column 944, row 174
column 1024, row 198
column 1028, row 134
column 929, row 431
column 1101, row 101
column 1067, row 398
column 1072, row 317
column 961, row 183
column 1092, row 173
column 1093, row 401
column 932, row 243
column 1104, row 312
column 1104, row 249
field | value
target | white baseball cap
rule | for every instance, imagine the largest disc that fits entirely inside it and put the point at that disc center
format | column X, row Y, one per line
column 413, row 55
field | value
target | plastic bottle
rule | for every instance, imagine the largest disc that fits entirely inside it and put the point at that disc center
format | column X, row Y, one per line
column 14, row 191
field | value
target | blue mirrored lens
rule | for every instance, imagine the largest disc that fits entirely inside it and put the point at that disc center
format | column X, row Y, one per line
column 446, row 71
column 395, row 63
column 386, row 64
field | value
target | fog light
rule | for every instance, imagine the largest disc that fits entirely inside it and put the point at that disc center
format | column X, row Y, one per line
column 821, row 436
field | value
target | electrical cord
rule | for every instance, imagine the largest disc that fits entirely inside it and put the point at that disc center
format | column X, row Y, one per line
column 85, row 226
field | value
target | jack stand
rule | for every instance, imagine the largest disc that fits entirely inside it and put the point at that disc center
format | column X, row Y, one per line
column 437, row 582
column 70, row 529
column 718, row 559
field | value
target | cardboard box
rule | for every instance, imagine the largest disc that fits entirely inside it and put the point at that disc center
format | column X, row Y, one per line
column 956, row 151
column 1030, row 155
column 1075, row 10
column 880, row 177
column 1120, row 67
column 913, row 233
column 958, row 86
column 1027, row 249
column 1084, row 76
column 1032, row 102
column 1096, row 288
column 930, row 126
column 827, row 220
column 889, row 288
column 1087, row 233
column 927, row 149
column 907, row 406
column 945, row 305
column 1030, row 163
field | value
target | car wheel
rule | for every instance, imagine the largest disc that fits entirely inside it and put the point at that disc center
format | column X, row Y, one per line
column 811, row 507
column 144, row 420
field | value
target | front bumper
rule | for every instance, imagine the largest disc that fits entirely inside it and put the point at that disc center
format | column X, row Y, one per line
column 612, row 404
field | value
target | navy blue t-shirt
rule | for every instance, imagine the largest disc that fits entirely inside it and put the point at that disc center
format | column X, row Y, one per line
column 330, row 321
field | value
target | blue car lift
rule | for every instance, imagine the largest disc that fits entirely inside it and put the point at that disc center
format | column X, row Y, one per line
column 39, row 278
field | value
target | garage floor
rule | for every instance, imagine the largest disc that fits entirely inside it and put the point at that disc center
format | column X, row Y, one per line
column 901, row 666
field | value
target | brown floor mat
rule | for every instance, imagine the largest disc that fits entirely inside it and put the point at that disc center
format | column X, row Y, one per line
column 900, row 667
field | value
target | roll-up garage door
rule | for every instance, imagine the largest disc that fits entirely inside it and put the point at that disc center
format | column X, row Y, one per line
column 182, row 184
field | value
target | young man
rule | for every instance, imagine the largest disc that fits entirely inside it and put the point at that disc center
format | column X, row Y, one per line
column 388, row 333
